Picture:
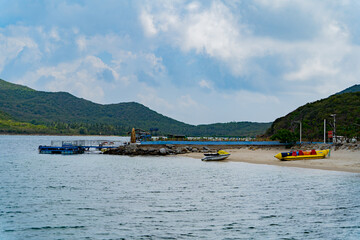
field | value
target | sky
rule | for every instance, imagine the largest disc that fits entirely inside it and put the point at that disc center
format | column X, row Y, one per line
column 195, row 61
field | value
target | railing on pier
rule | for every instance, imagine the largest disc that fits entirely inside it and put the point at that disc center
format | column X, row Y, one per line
column 88, row 143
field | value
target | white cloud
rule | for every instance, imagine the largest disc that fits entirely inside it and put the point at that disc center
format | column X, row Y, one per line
column 81, row 43
column 99, row 43
column 106, row 60
column 149, row 97
column 220, row 33
column 83, row 73
column 324, row 60
column 186, row 101
column 155, row 63
column 17, row 47
column 275, row 4
column 148, row 23
column 313, row 68
column 193, row 6
column 126, row 63
column 214, row 31
column 205, row 84
column 54, row 34
column 244, row 97
column 80, row 77
column 211, row 32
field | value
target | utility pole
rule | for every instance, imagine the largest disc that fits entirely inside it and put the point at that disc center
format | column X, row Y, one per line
column 324, row 130
column 334, row 135
column 300, row 131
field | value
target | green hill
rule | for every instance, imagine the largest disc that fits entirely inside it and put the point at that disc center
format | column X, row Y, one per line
column 355, row 88
column 66, row 114
column 232, row 129
column 4, row 85
column 4, row 116
column 346, row 106
column 8, row 125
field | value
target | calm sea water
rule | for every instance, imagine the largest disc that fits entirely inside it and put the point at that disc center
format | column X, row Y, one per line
column 93, row 196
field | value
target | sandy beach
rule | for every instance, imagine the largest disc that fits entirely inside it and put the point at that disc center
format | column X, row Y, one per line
column 339, row 160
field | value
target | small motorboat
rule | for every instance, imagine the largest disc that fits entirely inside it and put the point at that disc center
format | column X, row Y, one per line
column 302, row 155
column 220, row 155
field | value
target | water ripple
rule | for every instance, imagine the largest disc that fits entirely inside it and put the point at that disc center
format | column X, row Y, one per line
column 118, row 197
column 53, row 227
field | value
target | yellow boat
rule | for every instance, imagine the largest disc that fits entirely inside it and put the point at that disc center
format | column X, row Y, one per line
column 301, row 155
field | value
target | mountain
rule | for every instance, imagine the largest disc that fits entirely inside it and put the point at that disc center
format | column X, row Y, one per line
column 66, row 114
column 345, row 105
column 4, row 116
column 232, row 129
column 355, row 88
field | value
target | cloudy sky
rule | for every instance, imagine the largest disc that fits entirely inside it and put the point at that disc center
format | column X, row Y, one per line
column 195, row 61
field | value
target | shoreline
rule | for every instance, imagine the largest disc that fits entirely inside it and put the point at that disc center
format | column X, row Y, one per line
column 343, row 157
column 56, row 135
column 339, row 160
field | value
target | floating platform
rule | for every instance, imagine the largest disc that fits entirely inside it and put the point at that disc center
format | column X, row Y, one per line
column 65, row 149
column 78, row 146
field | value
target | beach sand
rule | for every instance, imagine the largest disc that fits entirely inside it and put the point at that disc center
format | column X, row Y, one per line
column 339, row 160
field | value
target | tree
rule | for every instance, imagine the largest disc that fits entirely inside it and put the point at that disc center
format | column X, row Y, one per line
column 285, row 136
column 82, row 130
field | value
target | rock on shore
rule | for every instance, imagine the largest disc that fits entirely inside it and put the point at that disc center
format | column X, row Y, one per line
column 335, row 146
column 167, row 149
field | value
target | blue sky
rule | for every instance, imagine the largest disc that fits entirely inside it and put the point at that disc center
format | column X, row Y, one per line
column 195, row 61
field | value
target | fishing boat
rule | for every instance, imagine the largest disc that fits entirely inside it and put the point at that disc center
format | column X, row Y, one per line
column 220, row 155
column 301, row 155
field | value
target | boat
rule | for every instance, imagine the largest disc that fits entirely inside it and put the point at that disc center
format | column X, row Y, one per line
column 220, row 155
column 302, row 155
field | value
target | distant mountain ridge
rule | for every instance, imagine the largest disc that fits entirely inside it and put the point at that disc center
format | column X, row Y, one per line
column 355, row 88
column 63, row 113
column 346, row 106
column 4, row 85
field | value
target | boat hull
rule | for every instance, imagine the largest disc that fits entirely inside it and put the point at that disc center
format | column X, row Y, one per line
column 214, row 157
column 288, row 157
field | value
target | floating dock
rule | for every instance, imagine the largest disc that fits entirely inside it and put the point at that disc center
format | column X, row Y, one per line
column 78, row 146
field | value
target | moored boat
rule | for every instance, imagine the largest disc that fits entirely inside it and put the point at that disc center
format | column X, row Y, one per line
column 302, row 155
column 220, row 155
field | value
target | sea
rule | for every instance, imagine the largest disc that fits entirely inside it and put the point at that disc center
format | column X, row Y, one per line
column 96, row 196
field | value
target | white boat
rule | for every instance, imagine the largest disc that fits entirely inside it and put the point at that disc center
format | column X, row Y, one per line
column 220, row 155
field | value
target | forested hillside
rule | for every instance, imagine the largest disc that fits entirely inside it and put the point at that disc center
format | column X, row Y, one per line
column 346, row 106
column 355, row 88
column 63, row 113
column 232, row 129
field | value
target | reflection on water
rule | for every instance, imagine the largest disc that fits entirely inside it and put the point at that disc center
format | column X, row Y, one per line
column 93, row 196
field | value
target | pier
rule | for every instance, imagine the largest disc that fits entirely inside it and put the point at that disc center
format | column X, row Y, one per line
column 78, row 146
